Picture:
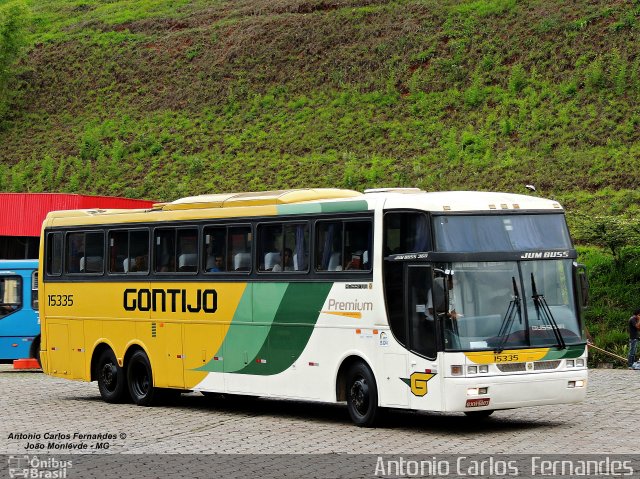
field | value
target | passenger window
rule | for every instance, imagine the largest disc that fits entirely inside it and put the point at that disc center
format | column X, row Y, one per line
column 227, row 249
column 215, row 249
column 176, row 250
column 344, row 245
column 54, row 254
column 34, row 291
column 406, row 232
column 165, row 251
column 187, row 250
column 239, row 246
column 283, row 247
column 139, row 251
column 129, row 251
column 10, row 294
column 85, row 252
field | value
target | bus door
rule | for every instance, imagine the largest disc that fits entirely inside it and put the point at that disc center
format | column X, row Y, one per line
column 422, row 328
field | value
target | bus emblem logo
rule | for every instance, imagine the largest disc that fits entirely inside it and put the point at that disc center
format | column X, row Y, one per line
column 418, row 383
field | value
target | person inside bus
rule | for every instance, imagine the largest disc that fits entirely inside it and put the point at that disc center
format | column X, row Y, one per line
column 140, row 264
column 168, row 266
column 218, row 264
column 287, row 261
column 444, row 309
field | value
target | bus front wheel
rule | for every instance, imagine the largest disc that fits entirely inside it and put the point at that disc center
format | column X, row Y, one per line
column 140, row 379
column 362, row 395
column 111, row 378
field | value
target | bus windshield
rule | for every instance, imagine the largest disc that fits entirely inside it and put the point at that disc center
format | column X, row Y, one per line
column 511, row 304
column 504, row 232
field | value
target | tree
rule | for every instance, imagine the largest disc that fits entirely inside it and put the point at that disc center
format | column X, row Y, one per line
column 610, row 232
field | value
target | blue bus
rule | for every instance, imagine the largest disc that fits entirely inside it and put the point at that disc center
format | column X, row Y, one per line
column 19, row 318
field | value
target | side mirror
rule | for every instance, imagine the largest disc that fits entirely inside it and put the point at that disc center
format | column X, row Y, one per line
column 583, row 284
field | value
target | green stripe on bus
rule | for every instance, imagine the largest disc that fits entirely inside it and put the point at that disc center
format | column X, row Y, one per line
column 570, row 352
column 244, row 339
column 291, row 330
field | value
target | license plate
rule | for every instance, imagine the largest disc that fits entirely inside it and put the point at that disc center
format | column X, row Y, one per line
column 481, row 402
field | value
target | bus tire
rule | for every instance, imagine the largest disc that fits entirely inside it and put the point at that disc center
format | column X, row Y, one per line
column 140, row 380
column 35, row 350
column 362, row 395
column 111, row 378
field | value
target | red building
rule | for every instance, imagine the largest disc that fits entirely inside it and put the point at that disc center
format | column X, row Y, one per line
column 22, row 214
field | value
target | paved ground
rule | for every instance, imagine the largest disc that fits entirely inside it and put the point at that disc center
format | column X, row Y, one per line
column 32, row 403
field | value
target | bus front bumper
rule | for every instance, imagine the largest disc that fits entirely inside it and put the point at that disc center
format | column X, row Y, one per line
column 512, row 391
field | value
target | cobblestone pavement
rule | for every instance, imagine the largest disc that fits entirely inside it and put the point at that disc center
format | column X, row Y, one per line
column 35, row 404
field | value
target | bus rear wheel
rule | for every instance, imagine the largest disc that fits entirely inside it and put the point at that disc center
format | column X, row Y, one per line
column 111, row 378
column 362, row 395
column 140, row 380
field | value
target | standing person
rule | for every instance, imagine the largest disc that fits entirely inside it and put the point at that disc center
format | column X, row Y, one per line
column 634, row 325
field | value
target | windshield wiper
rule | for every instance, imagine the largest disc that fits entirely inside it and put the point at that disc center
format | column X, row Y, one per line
column 543, row 310
column 507, row 321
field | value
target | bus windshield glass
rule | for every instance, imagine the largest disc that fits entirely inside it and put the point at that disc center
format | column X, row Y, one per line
column 508, row 232
column 500, row 305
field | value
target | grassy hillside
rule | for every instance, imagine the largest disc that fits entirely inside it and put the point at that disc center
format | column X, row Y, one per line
column 166, row 98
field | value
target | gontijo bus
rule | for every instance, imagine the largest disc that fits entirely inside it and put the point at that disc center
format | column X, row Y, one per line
column 448, row 301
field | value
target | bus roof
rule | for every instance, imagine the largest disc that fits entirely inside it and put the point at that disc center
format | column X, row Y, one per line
column 14, row 264
column 278, row 197
column 471, row 201
column 279, row 202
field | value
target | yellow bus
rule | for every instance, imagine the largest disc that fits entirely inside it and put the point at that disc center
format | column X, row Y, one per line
column 452, row 301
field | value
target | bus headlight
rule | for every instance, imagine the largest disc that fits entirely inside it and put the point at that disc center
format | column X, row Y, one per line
column 477, row 391
column 580, row 362
column 472, row 369
column 484, row 368
column 570, row 363
column 456, row 370
column 576, row 384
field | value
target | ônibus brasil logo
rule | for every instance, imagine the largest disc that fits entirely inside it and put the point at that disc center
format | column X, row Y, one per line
column 33, row 466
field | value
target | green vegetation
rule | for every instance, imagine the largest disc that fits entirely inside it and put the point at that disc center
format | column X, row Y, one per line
column 12, row 38
column 614, row 291
column 166, row 98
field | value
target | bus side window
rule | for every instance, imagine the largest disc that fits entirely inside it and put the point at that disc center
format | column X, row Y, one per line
column 165, row 250
column 34, row 290
column 214, row 249
column 357, row 239
column 283, row 247
column 118, row 245
column 329, row 246
column 10, row 294
column 94, row 260
column 344, row 245
column 74, row 252
column 54, row 254
column 187, row 250
column 239, row 243
column 270, row 241
column 138, row 255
